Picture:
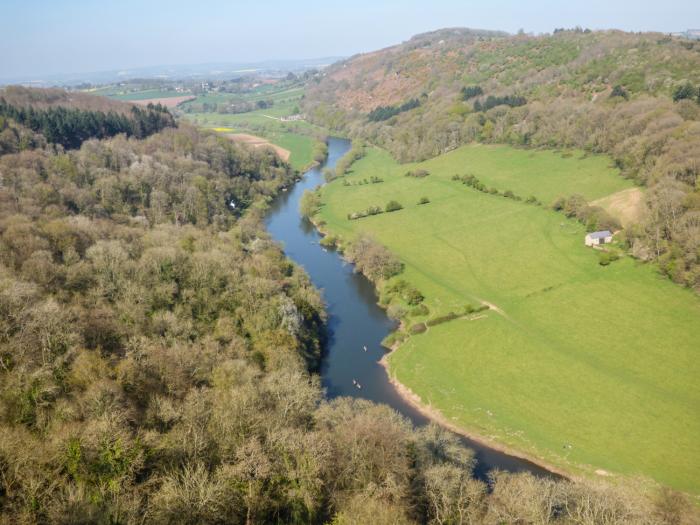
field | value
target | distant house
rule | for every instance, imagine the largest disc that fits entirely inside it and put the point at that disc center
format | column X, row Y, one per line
column 596, row 238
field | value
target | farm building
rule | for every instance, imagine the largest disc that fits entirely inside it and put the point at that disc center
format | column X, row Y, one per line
column 596, row 238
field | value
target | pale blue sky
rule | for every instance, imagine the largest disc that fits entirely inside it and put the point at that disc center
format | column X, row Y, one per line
column 66, row 36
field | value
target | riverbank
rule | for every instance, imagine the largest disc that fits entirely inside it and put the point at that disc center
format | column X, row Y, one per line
column 434, row 415
column 357, row 325
column 536, row 376
column 430, row 413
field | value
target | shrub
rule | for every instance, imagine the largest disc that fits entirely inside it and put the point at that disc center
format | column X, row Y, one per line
column 684, row 91
column 320, row 151
column 396, row 311
column 373, row 259
column 605, row 258
column 558, row 203
column 471, row 92
column 424, row 200
column 419, row 310
column 372, row 210
column 329, row 241
column 397, row 286
column 413, row 297
column 418, row 174
column 393, row 206
column 619, row 91
column 393, row 338
column 329, row 174
column 442, row 319
column 309, row 204
column 418, row 328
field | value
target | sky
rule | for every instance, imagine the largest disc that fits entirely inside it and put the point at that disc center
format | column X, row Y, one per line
column 43, row 37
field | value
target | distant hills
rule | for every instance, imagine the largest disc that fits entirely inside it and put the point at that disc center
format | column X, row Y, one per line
column 210, row 71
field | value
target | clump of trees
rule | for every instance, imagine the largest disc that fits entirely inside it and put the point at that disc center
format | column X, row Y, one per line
column 70, row 127
column 417, row 173
column 593, row 217
column 391, row 206
column 371, row 210
column 468, row 92
column 320, row 151
column 424, row 200
column 310, row 203
column 607, row 257
column 619, row 91
column 473, row 182
column 686, row 91
column 491, row 101
column 372, row 180
column 356, row 152
column 405, row 291
column 386, row 112
column 373, row 259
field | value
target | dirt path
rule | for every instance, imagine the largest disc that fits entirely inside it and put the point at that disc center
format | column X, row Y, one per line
column 259, row 142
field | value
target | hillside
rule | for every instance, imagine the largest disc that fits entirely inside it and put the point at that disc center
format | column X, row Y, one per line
column 156, row 359
column 634, row 97
column 568, row 75
column 29, row 116
column 40, row 99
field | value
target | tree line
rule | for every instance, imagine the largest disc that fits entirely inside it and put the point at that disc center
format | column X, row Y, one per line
column 386, row 112
column 70, row 127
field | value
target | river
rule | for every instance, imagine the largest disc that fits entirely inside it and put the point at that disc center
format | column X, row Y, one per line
column 355, row 321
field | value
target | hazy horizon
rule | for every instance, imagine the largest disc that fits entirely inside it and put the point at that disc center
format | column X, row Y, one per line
column 79, row 36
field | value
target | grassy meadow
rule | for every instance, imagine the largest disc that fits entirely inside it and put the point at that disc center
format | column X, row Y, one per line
column 298, row 137
column 585, row 366
column 146, row 94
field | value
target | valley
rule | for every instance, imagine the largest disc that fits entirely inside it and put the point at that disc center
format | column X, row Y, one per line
column 583, row 365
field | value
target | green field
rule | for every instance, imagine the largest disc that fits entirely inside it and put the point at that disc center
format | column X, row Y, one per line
column 296, row 136
column 587, row 367
column 146, row 94
column 286, row 96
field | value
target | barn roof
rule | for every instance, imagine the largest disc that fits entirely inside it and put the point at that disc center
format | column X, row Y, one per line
column 600, row 235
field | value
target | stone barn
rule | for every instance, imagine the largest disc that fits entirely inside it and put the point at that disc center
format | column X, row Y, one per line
column 597, row 238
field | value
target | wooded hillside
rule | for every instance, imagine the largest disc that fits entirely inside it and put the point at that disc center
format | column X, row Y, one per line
column 635, row 97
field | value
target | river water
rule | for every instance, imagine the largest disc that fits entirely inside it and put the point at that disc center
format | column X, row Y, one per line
column 354, row 319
